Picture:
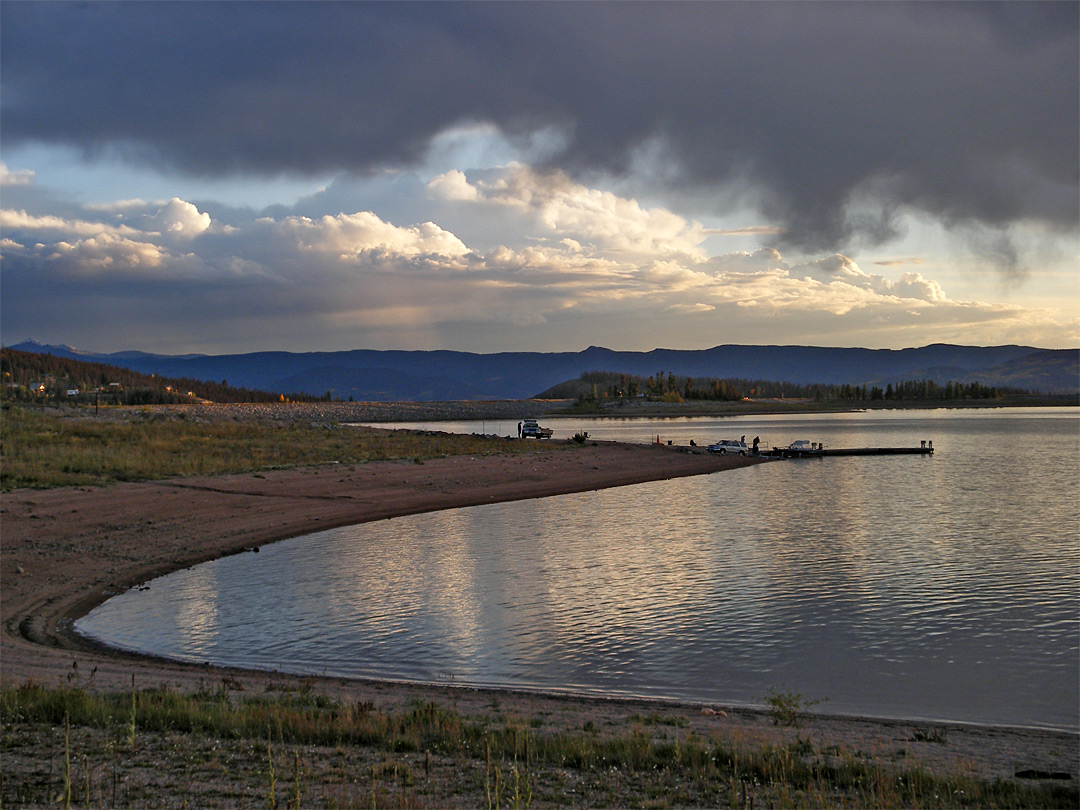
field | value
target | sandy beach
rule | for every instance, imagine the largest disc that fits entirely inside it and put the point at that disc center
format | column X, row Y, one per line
column 63, row 551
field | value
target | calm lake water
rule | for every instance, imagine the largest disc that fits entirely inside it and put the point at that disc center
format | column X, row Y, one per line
column 943, row 587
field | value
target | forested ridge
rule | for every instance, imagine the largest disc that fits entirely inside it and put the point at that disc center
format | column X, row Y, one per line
column 29, row 376
column 673, row 387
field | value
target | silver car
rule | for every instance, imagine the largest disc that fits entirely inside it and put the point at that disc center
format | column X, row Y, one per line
column 725, row 446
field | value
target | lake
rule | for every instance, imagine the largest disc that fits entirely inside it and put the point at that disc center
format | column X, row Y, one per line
column 941, row 587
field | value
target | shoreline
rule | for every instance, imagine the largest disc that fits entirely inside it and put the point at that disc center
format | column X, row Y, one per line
column 65, row 551
column 376, row 413
column 103, row 540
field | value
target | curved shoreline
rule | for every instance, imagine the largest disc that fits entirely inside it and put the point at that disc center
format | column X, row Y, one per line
column 65, row 551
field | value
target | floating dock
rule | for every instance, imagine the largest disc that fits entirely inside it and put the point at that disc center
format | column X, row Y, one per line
column 882, row 451
column 926, row 449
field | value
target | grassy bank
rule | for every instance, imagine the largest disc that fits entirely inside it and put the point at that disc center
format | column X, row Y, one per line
column 45, row 448
column 221, row 747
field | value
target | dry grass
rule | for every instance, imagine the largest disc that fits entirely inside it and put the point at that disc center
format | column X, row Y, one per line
column 300, row 749
column 42, row 449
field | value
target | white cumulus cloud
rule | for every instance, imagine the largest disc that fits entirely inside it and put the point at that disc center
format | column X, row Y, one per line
column 178, row 219
column 20, row 220
column 569, row 210
column 350, row 235
column 107, row 252
column 453, row 186
column 573, row 264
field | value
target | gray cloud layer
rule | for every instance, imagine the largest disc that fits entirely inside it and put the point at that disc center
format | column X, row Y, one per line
column 829, row 117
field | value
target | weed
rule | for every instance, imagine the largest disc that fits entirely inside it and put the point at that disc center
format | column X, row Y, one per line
column 131, row 719
column 67, row 762
column 271, row 777
column 934, row 735
column 586, row 767
column 657, row 719
column 785, row 707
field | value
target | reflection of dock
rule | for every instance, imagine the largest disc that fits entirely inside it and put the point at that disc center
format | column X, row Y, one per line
column 926, row 449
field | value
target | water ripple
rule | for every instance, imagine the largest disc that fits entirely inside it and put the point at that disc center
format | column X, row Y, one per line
column 928, row 587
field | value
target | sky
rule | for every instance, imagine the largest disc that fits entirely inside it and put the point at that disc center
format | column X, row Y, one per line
column 246, row 176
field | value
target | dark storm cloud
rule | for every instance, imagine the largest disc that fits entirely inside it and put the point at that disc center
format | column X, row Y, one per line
column 966, row 111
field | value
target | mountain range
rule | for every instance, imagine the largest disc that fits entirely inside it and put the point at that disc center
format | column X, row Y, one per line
column 386, row 376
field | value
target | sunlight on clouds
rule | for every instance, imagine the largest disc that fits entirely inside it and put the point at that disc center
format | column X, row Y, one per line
column 452, row 186
column 608, row 222
column 689, row 309
column 672, row 276
column 749, row 230
column 108, row 252
column 913, row 285
column 350, row 235
column 124, row 206
column 176, row 218
column 21, row 221
column 571, row 256
column 898, row 262
column 179, row 218
column 483, row 145
column 841, row 268
column 17, row 177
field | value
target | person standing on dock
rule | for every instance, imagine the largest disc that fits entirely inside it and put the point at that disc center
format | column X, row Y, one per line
column 756, row 440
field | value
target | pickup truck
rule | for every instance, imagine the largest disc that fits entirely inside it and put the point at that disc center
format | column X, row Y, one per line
column 531, row 430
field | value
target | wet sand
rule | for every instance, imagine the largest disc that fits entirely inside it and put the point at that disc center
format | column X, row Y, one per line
column 64, row 551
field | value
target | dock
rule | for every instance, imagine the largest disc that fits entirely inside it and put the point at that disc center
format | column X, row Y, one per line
column 881, row 451
column 925, row 449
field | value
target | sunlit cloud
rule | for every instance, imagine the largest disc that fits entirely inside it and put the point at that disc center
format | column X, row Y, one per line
column 21, row 221
column 569, row 210
column 178, row 219
column 351, row 235
column 749, row 230
column 899, row 262
column 574, row 255
column 19, row 177
column 107, row 253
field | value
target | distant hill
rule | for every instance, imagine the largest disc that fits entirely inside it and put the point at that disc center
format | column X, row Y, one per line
column 36, row 376
column 380, row 376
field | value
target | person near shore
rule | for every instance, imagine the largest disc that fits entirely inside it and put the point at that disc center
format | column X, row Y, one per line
column 755, row 444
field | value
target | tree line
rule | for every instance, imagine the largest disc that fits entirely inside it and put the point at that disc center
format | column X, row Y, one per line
column 33, row 377
column 668, row 386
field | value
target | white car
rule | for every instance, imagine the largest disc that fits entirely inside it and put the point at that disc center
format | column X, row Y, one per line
column 725, row 446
